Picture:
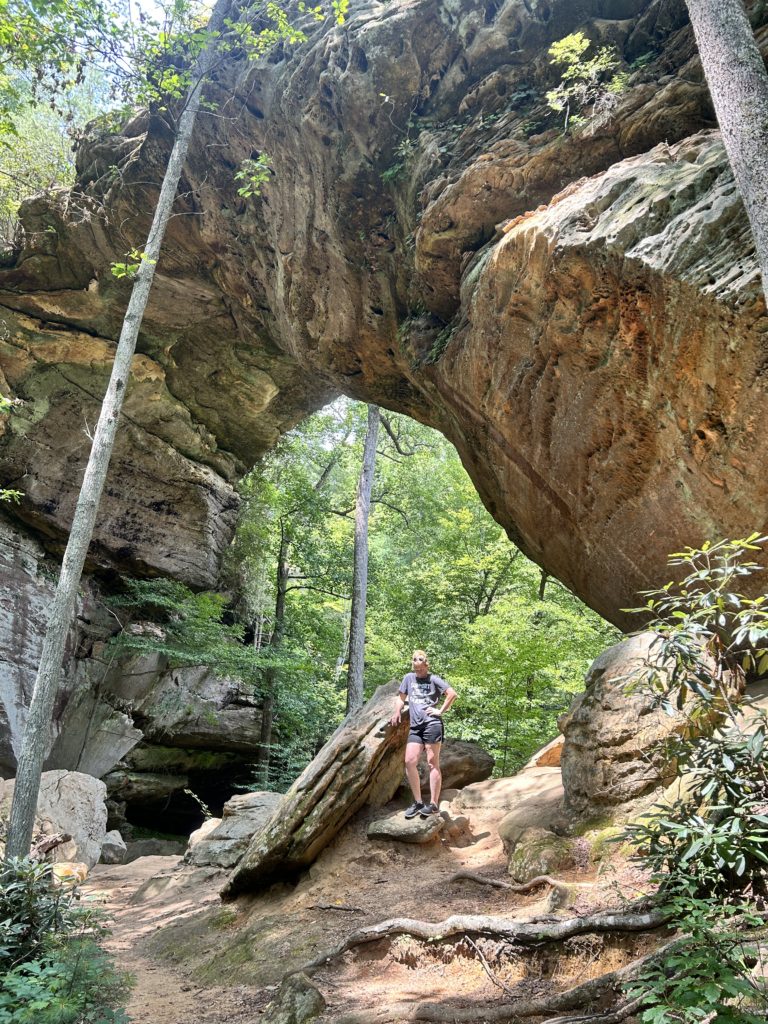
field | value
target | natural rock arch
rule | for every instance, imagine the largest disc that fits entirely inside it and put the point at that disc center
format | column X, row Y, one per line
column 598, row 363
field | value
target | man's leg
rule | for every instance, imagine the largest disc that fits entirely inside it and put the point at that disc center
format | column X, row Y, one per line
column 412, row 755
column 435, row 776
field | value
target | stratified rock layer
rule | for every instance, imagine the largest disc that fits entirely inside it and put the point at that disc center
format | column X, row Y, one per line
column 599, row 363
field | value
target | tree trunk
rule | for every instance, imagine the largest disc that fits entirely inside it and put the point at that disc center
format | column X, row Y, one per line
column 738, row 84
column 360, row 571
column 62, row 609
column 278, row 632
column 543, row 584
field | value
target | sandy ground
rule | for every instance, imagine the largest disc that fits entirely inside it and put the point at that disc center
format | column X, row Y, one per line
column 198, row 960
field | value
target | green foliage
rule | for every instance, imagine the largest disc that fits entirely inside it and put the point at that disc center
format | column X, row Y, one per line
column 707, row 849
column 74, row 982
column 32, row 907
column 716, row 833
column 135, row 259
column 595, row 82
column 38, row 156
column 52, row 969
column 186, row 628
column 705, row 627
column 393, row 172
column 254, row 174
column 706, row 975
column 519, row 667
column 442, row 575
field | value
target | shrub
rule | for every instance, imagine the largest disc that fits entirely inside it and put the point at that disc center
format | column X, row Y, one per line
column 52, row 970
column 594, row 82
column 32, row 907
column 708, row 849
column 74, row 982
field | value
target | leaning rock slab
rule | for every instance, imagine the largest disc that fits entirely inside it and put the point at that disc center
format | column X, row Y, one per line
column 69, row 802
column 221, row 842
column 414, row 830
column 361, row 763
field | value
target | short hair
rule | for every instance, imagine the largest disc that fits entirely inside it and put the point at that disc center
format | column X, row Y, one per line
column 421, row 654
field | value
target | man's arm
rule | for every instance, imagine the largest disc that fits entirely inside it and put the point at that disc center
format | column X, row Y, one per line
column 399, row 705
column 450, row 696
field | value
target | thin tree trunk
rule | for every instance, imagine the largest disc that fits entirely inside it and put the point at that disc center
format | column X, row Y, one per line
column 278, row 632
column 360, row 572
column 543, row 584
column 738, row 85
column 62, row 610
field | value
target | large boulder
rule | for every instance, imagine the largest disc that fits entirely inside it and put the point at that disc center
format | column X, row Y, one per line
column 610, row 757
column 537, row 851
column 71, row 803
column 461, row 763
column 221, row 842
column 361, row 763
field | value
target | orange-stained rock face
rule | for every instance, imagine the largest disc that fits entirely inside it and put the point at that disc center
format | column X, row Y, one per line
column 594, row 346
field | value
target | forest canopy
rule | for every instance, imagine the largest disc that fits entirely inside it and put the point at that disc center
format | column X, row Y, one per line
column 443, row 576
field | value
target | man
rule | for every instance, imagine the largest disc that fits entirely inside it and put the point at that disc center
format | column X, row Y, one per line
column 422, row 690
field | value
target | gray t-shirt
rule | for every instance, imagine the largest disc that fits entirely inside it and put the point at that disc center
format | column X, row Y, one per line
column 422, row 694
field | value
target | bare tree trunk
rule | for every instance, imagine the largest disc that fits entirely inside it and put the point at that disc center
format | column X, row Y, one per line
column 62, row 610
column 360, row 572
column 278, row 632
column 738, row 84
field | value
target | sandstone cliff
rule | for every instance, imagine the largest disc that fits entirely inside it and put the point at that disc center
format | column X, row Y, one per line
column 579, row 314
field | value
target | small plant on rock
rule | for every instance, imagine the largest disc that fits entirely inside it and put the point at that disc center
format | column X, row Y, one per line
column 594, row 82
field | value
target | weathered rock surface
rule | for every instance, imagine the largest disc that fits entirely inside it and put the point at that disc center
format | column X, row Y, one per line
column 413, row 830
column 461, row 764
column 152, row 848
column 72, row 803
column 543, row 786
column 88, row 733
column 361, row 763
column 598, row 363
column 221, row 842
column 537, row 851
column 549, row 755
column 608, row 760
column 296, row 1001
column 113, row 848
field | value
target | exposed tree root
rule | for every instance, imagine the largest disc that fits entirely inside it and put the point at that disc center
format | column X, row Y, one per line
column 577, row 998
column 525, row 932
column 523, row 887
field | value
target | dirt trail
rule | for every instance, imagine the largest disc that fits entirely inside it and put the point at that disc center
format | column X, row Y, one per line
column 163, row 995
column 197, row 960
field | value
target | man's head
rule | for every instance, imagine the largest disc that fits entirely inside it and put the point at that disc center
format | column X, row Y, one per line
column 420, row 663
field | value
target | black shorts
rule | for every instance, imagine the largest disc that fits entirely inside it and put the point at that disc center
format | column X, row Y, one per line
column 431, row 731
